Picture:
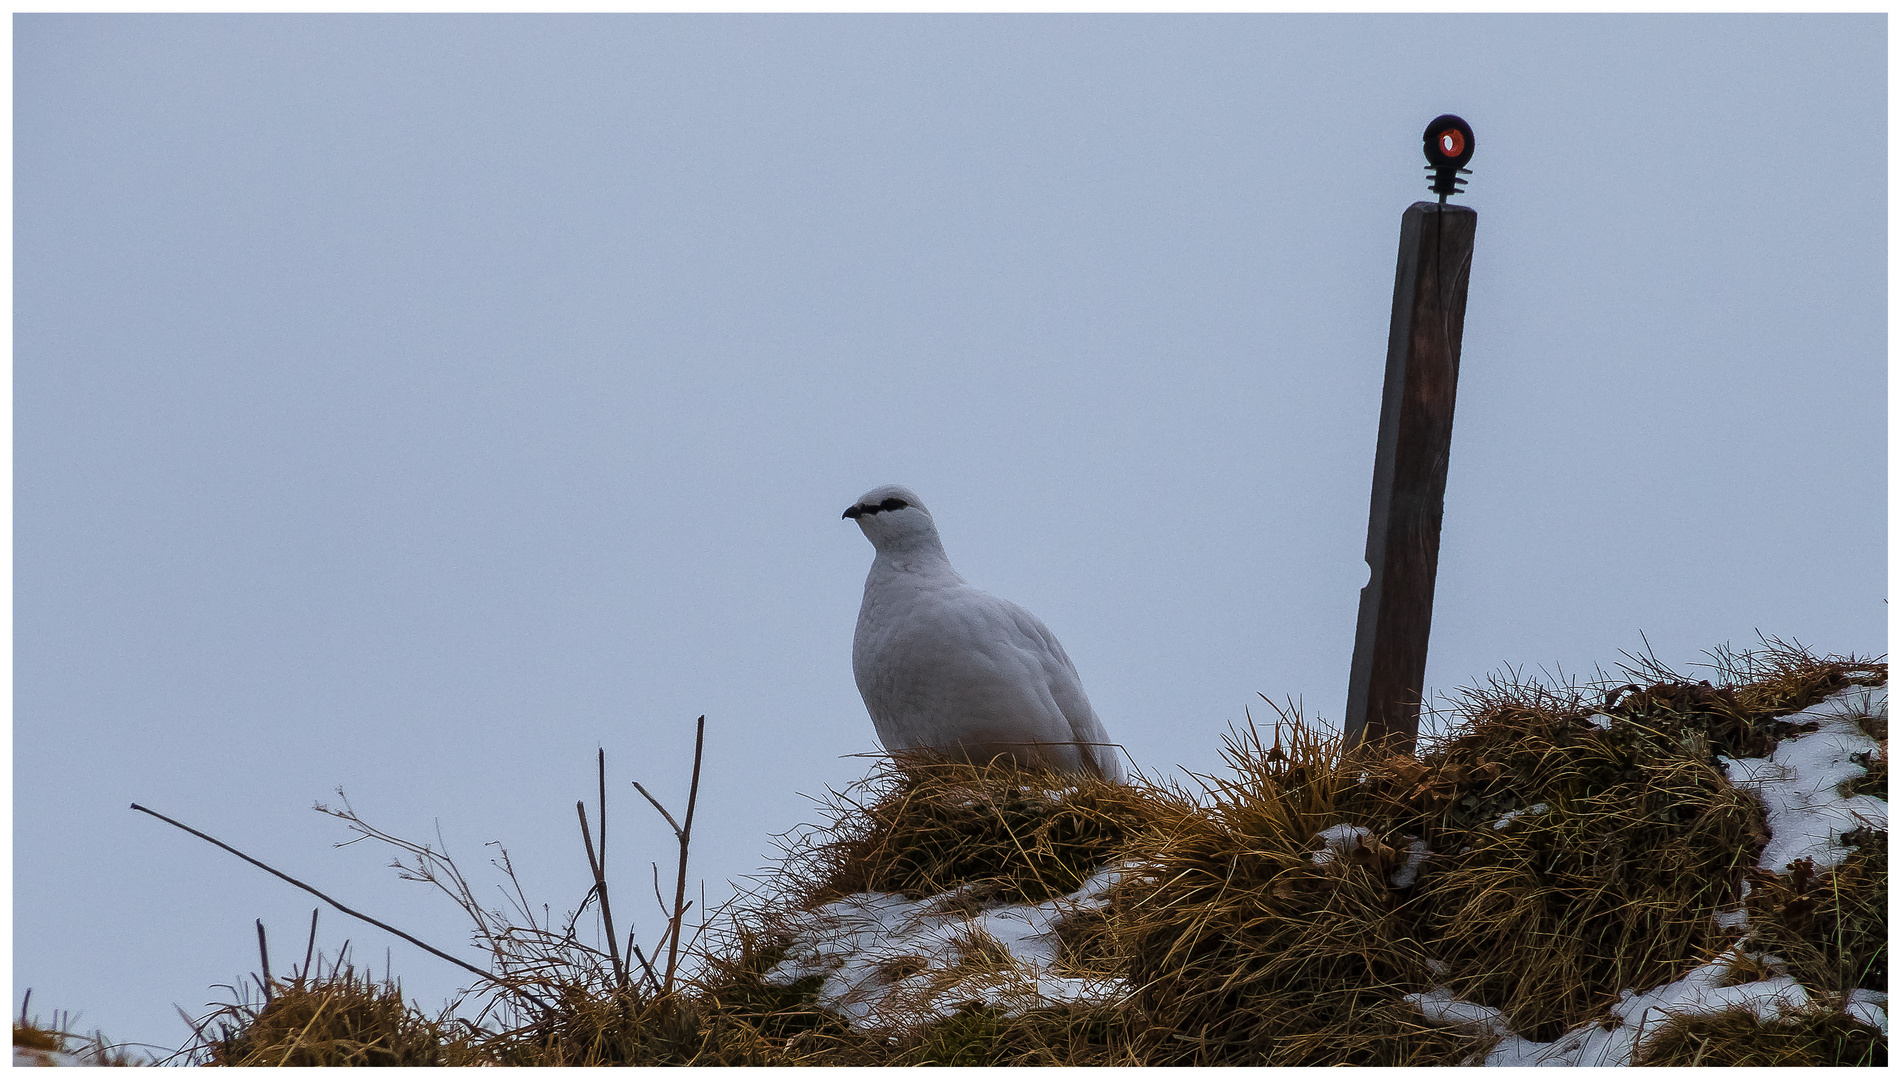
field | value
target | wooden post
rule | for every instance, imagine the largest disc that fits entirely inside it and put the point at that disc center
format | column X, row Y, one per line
column 1409, row 475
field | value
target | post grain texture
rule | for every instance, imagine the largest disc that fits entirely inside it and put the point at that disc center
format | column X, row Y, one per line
column 1409, row 475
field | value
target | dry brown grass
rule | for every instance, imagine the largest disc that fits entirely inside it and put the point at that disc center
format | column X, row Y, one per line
column 1608, row 888
column 1817, row 1039
column 38, row 1042
column 1622, row 840
column 995, row 833
column 344, row 1018
column 1248, row 952
column 1000, row 832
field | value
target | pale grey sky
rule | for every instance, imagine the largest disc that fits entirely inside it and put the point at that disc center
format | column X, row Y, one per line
column 414, row 404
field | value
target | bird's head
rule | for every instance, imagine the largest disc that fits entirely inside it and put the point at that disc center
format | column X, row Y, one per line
column 893, row 519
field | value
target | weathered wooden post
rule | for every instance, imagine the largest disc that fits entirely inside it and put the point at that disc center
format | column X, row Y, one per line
column 1409, row 466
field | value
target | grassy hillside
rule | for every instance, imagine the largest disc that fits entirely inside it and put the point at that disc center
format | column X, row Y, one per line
column 1664, row 871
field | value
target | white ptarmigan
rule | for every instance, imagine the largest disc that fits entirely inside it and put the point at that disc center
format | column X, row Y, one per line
column 948, row 669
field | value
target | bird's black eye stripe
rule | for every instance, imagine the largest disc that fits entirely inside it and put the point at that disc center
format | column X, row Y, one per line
column 862, row 509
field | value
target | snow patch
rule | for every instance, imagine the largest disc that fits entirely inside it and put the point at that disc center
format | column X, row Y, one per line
column 1737, row 919
column 1619, row 1038
column 25, row 1057
column 1338, row 841
column 1799, row 783
column 1507, row 817
column 890, row 962
column 1867, row 1007
column 1416, row 854
column 1441, row 1007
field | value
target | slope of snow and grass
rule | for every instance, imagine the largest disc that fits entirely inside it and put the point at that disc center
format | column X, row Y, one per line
column 1664, row 873
column 1661, row 872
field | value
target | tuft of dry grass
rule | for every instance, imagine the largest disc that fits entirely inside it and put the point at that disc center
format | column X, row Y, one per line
column 346, row 1018
column 1816, row 1038
column 998, row 831
column 1609, row 886
column 1830, row 929
column 52, row 1042
column 27, row 1036
column 1248, row 951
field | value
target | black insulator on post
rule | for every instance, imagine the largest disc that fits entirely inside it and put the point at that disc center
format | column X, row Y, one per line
column 1449, row 145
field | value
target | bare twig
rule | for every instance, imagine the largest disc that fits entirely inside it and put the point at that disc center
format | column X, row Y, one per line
column 425, row 946
column 694, row 940
column 607, row 910
column 264, row 961
column 684, row 832
column 309, row 947
column 645, row 966
column 686, row 839
column 528, row 948
column 656, row 805
column 600, row 890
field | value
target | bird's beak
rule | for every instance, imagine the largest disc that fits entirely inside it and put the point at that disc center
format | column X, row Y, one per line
column 852, row 512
